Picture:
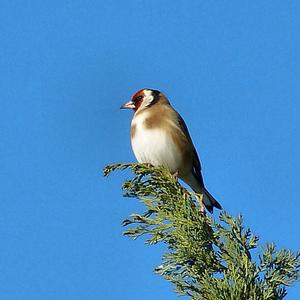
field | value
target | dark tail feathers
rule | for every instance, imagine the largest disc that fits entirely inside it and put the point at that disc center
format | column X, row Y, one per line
column 209, row 201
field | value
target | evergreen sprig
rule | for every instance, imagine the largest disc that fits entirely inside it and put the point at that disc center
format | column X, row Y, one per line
column 205, row 258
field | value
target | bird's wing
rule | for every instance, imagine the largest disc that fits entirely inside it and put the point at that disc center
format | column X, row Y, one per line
column 196, row 161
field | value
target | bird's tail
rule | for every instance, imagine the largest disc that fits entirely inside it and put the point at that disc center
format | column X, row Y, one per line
column 195, row 181
column 209, row 201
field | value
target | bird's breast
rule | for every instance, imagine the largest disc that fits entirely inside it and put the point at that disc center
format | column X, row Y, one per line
column 155, row 146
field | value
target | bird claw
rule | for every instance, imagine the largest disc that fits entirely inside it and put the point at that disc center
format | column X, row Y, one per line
column 201, row 205
column 185, row 191
column 176, row 174
column 202, row 210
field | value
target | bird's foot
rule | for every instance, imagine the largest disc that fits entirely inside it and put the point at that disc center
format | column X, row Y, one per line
column 202, row 210
column 201, row 205
column 185, row 191
column 176, row 174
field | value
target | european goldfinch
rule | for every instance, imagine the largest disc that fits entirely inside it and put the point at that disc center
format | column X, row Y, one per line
column 160, row 137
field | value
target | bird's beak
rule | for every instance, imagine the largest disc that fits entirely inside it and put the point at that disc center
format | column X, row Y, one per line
column 128, row 105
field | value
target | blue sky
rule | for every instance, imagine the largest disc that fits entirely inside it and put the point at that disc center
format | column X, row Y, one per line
column 231, row 69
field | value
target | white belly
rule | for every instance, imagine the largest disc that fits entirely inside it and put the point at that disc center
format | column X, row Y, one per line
column 156, row 147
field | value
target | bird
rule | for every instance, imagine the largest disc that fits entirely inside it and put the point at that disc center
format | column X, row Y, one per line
column 160, row 137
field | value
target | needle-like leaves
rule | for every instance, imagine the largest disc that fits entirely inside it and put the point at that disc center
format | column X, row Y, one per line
column 205, row 258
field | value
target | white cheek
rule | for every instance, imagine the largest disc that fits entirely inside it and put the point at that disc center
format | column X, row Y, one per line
column 148, row 98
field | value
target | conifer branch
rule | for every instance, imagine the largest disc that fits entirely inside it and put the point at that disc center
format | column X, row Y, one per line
column 205, row 259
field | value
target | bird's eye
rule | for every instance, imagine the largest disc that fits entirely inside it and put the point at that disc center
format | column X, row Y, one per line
column 139, row 98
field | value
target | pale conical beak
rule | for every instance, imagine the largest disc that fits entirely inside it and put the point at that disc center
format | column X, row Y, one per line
column 128, row 105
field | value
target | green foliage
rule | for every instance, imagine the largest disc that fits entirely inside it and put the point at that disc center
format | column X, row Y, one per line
column 205, row 259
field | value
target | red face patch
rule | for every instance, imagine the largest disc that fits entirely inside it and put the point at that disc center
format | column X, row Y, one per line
column 137, row 98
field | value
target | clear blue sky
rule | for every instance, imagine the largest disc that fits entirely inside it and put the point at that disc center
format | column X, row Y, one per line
column 231, row 69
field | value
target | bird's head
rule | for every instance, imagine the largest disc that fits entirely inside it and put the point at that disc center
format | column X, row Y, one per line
column 142, row 99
